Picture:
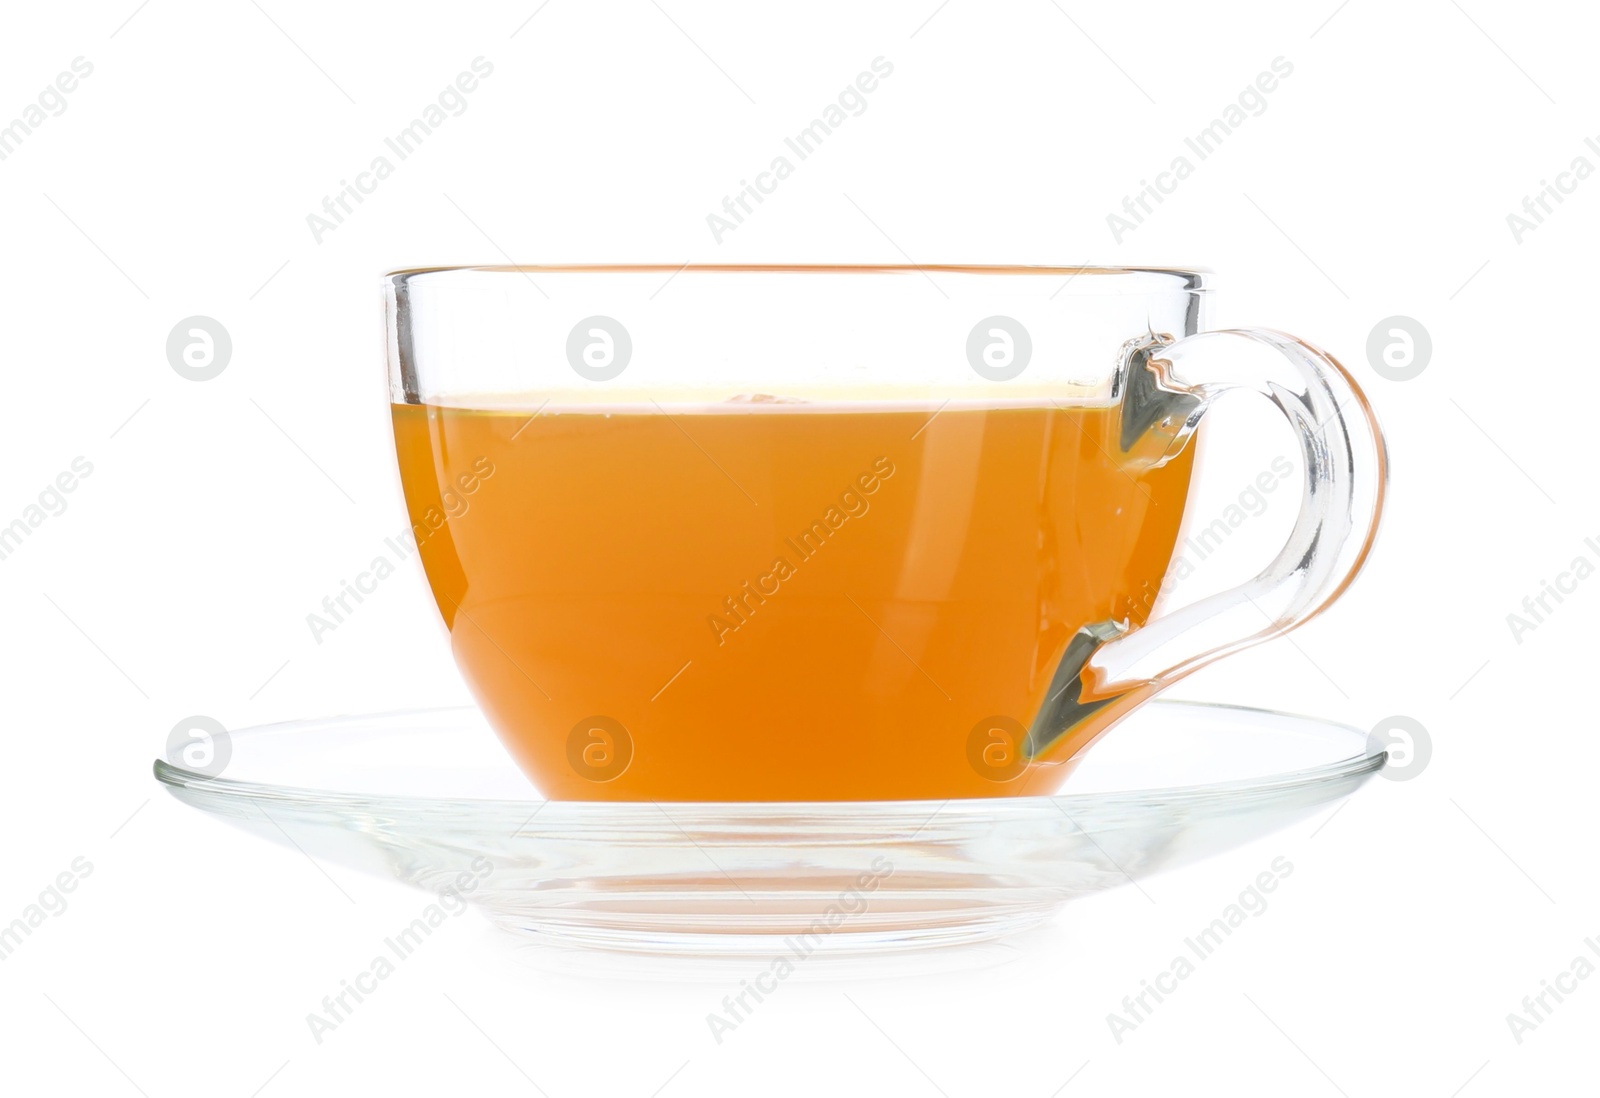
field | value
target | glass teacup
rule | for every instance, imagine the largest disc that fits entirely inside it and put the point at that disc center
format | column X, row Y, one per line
column 837, row 533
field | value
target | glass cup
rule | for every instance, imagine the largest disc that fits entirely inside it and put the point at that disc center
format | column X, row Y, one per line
column 801, row 533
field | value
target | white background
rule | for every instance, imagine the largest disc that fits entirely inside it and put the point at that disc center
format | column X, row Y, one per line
column 1377, row 182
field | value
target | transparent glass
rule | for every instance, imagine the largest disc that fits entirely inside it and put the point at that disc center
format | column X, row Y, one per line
column 427, row 797
column 838, row 533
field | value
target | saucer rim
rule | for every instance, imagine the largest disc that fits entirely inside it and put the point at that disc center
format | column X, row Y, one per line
column 1358, row 766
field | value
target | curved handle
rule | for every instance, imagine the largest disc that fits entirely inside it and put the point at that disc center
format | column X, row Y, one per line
column 1166, row 386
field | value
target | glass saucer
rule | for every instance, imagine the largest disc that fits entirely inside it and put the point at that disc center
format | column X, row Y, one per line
column 432, row 798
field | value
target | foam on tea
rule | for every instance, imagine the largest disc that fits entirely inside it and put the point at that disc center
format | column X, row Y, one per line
column 775, row 600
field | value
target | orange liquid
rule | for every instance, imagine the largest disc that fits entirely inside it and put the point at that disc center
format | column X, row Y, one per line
column 777, row 602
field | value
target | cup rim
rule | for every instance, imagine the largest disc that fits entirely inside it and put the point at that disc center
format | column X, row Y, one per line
column 1198, row 280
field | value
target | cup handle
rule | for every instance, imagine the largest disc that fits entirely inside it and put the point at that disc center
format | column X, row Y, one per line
column 1167, row 385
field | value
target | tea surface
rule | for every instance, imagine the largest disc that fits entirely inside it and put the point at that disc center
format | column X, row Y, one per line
column 763, row 601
